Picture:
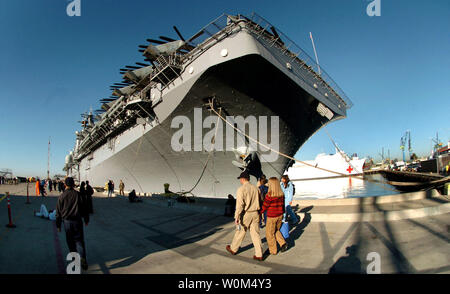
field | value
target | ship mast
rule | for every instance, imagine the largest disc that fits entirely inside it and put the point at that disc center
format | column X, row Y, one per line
column 315, row 52
column 48, row 159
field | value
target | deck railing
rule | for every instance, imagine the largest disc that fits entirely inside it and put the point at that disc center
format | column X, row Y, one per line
column 262, row 28
column 287, row 46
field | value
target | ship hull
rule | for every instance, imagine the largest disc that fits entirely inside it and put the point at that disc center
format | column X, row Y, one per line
column 251, row 84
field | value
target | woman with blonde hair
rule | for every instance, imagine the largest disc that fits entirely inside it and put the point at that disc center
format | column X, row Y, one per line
column 274, row 205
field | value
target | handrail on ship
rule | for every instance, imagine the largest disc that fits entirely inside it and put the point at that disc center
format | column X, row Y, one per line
column 302, row 57
column 288, row 48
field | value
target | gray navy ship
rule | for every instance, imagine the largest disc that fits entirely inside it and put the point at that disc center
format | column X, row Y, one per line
column 236, row 67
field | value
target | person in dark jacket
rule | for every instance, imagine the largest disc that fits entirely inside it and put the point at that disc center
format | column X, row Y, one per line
column 132, row 197
column 50, row 185
column 263, row 189
column 110, row 188
column 83, row 191
column 230, row 206
column 71, row 209
column 89, row 193
column 61, row 186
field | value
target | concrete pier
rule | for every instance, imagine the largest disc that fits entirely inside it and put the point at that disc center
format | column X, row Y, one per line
column 151, row 237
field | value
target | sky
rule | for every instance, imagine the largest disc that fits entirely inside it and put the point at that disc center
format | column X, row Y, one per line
column 394, row 67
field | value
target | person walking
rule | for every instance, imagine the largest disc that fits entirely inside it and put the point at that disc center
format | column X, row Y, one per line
column 54, row 185
column 247, row 216
column 288, row 190
column 71, row 211
column 121, row 188
column 274, row 206
column 89, row 193
column 50, row 185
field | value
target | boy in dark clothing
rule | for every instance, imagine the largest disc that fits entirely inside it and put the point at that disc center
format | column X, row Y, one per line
column 263, row 189
column 71, row 209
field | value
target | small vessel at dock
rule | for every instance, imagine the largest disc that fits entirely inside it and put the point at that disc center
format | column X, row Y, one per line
column 413, row 181
column 327, row 166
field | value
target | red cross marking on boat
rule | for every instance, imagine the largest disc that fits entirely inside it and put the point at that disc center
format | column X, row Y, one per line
column 349, row 169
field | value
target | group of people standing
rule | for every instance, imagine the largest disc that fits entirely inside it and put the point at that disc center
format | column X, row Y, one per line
column 109, row 186
column 272, row 199
column 42, row 185
column 12, row 181
column 86, row 192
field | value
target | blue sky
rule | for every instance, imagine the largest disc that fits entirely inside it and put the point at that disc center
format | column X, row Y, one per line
column 395, row 67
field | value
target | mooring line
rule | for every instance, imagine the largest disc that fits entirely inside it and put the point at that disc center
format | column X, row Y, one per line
column 292, row 158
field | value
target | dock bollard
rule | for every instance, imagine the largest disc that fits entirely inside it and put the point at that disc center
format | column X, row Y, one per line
column 28, row 195
column 10, row 225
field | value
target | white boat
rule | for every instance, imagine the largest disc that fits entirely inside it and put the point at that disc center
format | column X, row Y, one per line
column 329, row 188
column 326, row 166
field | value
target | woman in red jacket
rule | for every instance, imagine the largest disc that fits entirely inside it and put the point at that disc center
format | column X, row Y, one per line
column 38, row 192
column 274, row 205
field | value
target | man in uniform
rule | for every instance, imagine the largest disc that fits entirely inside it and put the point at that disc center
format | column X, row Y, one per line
column 247, row 216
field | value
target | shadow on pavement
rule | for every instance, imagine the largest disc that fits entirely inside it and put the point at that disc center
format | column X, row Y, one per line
column 121, row 234
column 136, row 230
column 296, row 231
column 349, row 264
